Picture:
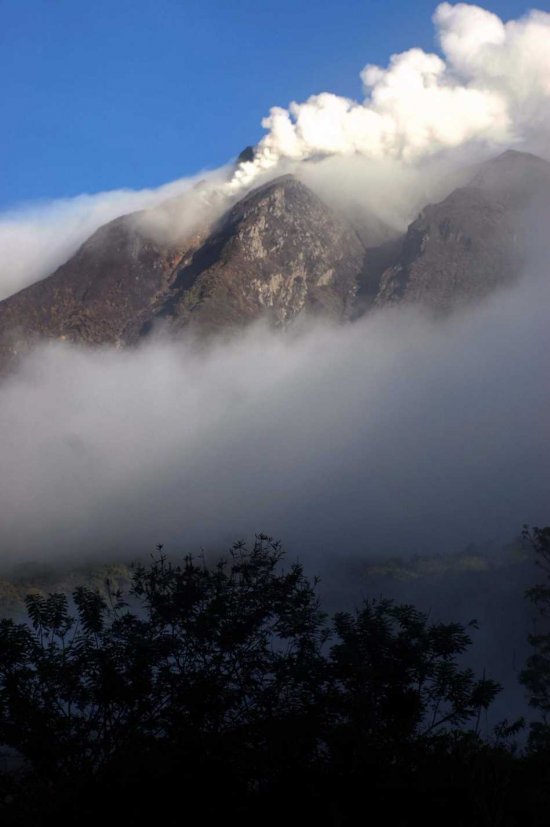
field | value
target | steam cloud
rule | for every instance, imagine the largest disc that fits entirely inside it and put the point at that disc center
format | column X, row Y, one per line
column 491, row 86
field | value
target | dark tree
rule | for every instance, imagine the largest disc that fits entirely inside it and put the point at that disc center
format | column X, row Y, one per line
column 228, row 678
column 536, row 675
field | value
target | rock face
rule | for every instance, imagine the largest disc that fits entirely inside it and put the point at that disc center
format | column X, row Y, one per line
column 469, row 244
column 278, row 253
column 455, row 251
column 103, row 294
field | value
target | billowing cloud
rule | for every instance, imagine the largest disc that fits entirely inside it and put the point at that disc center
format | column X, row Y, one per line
column 491, row 85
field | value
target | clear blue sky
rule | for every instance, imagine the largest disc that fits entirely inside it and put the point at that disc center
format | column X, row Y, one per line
column 101, row 94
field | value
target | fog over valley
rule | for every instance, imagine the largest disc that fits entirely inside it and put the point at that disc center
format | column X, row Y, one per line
column 267, row 347
column 397, row 434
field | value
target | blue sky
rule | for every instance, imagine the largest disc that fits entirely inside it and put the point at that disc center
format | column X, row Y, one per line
column 132, row 93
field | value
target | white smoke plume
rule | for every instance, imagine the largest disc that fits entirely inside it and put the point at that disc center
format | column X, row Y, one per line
column 490, row 86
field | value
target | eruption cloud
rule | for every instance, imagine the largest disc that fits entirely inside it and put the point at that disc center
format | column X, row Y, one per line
column 491, row 86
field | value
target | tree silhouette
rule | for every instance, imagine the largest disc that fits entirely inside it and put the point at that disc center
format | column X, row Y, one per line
column 536, row 675
column 229, row 678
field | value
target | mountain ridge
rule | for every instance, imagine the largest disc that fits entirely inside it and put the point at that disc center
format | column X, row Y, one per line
column 277, row 253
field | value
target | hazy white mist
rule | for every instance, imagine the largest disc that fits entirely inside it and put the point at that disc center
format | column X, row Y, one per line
column 394, row 434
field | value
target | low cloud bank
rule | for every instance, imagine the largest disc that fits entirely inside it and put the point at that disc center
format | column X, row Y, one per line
column 396, row 434
column 36, row 238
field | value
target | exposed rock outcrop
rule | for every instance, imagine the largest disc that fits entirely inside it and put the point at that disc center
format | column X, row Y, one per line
column 278, row 253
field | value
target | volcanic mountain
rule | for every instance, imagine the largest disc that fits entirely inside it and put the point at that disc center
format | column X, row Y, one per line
column 278, row 253
column 472, row 242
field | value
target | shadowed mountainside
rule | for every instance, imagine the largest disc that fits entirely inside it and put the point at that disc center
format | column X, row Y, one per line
column 472, row 242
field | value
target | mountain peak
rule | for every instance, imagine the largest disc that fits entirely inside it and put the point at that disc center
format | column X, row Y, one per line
column 516, row 173
column 515, row 155
column 247, row 154
column 282, row 182
column 471, row 243
column 277, row 252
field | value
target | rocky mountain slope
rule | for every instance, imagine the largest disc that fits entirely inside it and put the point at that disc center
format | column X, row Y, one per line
column 473, row 241
column 103, row 294
column 278, row 253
